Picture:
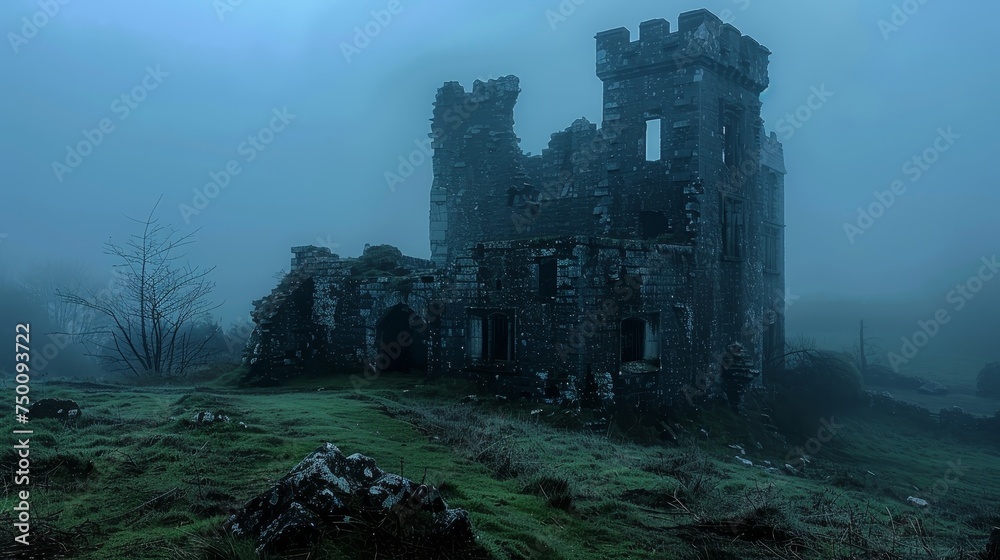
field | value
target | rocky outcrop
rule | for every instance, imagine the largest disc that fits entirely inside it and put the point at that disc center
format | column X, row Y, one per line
column 343, row 497
column 205, row 417
column 61, row 409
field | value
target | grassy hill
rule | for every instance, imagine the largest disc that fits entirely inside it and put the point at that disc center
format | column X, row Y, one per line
column 134, row 478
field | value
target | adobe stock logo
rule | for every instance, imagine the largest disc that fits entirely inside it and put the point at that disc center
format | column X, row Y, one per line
column 122, row 106
column 30, row 27
column 914, row 168
column 250, row 149
column 958, row 297
column 728, row 16
column 408, row 163
column 329, row 243
column 794, row 120
column 827, row 431
column 223, row 7
column 899, row 17
column 363, row 35
column 563, row 11
column 456, row 118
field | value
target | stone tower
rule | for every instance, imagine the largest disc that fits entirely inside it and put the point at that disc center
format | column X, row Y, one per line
column 700, row 88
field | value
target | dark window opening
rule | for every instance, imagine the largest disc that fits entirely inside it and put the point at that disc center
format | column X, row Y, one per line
column 484, row 275
column 733, row 228
column 640, row 340
column 771, row 198
column 731, row 139
column 489, row 336
column 652, row 224
column 772, row 247
column 498, row 338
column 548, row 278
column 633, row 340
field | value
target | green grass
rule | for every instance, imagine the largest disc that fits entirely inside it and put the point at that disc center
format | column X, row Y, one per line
column 535, row 485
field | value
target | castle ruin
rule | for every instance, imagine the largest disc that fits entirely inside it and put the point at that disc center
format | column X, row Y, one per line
column 646, row 253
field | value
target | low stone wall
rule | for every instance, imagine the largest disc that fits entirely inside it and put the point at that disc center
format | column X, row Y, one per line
column 953, row 419
column 956, row 419
column 885, row 404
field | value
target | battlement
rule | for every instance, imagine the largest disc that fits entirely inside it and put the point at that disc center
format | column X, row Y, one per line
column 453, row 93
column 702, row 38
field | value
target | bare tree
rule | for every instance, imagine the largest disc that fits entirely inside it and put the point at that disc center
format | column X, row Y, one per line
column 43, row 284
column 864, row 349
column 862, row 357
column 149, row 317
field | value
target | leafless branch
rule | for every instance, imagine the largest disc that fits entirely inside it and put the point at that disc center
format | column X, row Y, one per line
column 149, row 314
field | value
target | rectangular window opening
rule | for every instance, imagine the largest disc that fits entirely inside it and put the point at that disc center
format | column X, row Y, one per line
column 633, row 340
column 733, row 228
column 653, row 152
column 772, row 247
column 476, row 331
column 548, row 278
column 731, row 140
column 499, row 340
column 490, row 336
column 773, row 197
column 639, row 340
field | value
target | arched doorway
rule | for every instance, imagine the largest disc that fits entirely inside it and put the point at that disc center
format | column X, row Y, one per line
column 400, row 347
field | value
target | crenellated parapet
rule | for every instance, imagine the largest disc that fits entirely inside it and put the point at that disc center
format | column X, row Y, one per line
column 701, row 39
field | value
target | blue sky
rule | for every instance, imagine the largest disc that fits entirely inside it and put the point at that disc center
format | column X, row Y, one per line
column 220, row 75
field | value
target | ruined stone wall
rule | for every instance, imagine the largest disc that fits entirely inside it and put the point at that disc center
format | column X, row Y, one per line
column 503, row 276
column 477, row 160
column 283, row 344
column 568, row 185
column 559, row 336
column 485, row 189
column 323, row 316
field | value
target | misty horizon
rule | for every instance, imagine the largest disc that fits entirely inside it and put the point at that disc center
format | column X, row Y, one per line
column 309, row 121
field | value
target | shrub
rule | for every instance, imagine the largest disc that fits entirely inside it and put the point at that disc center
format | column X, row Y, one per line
column 825, row 376
column 557, row 491
column 378, row 260
column 886, row 377
column 815, row 386
column 988, row 381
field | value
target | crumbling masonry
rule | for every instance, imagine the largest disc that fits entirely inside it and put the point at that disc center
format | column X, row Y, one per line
column 657, row 271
